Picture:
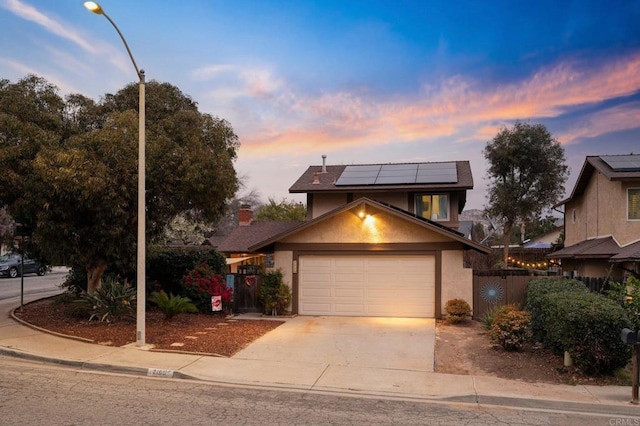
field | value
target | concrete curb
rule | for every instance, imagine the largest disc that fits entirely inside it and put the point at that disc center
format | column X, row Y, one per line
column 137, row 371
column 476, row 400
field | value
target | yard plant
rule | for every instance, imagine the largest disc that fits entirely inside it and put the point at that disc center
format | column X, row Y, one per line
column 111, row 302
column 171, row 305
column 275, row 295
column 201, row 283
column 457, row 310
column 587, row 325
column 511, row 329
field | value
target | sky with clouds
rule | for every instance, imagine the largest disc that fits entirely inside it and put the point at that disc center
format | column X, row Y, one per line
column 358, row 81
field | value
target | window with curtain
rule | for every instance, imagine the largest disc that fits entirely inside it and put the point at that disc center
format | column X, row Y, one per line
column 433, row 206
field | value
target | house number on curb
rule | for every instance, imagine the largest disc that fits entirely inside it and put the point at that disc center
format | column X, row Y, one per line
column 158, row 372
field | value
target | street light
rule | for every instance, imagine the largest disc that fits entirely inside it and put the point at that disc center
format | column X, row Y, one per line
column 141, row 257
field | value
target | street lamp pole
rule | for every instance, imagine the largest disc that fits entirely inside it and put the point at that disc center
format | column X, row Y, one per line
column 141, row 256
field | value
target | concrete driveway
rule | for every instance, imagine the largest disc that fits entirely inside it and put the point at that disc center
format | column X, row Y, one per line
column 363, row 342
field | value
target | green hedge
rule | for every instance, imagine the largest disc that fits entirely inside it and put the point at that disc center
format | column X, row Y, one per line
column 166, row 266
column 588, row 326
column 537, row 290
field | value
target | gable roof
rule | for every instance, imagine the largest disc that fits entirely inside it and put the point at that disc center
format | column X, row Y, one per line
column 602, row 164
column 243, row 237
column 387, row 208
column 324, row 178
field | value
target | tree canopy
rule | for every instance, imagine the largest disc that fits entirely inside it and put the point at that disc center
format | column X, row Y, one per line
column 70, row 168
column 284, row 210
column 527, row 172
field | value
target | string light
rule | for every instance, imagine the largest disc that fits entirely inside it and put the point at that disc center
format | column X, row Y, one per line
column 525, row 264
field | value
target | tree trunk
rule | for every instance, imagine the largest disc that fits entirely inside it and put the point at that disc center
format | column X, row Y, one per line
column 506, row 240
column 94, row 277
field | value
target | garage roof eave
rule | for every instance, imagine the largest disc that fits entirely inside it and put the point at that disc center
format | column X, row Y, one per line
column 403, row 214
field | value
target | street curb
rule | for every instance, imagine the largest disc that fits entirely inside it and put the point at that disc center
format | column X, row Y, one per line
column 618, row 410
column 549, row 405
column 138, row 371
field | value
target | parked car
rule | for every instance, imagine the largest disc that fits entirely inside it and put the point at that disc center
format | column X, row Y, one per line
column 10, row 266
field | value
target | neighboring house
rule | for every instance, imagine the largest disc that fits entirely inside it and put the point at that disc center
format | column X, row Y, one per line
column 548, row 239
column 249, row 232
column 379, row 240
column 602, row 219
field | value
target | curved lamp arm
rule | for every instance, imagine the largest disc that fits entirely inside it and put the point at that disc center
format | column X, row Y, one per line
column 94, row 7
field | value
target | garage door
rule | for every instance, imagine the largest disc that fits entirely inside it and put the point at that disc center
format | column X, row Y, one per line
column 398, row 286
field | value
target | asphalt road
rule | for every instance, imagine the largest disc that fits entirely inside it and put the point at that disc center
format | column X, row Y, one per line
column 44, row 394
column 35, row 287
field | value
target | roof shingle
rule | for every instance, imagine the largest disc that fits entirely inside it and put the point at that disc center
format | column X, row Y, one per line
column 315, row 180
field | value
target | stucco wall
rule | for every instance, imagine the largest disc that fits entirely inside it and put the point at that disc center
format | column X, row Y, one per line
column 600, row 211
column 283, row 260
column 594, row 268
column 380, row 227
column 457, row 281
column 398, row 199
column 324, row 203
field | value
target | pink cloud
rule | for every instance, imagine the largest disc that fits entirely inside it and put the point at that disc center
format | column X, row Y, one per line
column 458, row 107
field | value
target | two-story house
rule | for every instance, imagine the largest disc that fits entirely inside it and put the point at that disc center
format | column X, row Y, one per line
column 379, row 240
column 602, row 219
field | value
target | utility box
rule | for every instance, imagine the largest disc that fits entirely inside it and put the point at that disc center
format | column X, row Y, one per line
column 629, row 337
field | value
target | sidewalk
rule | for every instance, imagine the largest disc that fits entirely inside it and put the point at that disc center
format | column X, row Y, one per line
column 19, row 340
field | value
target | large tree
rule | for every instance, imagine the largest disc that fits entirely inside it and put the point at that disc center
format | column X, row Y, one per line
column 527, row 172
column 70, row 168
column 284, row 210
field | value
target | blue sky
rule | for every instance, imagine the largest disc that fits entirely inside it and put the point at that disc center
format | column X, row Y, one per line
column 358, row 81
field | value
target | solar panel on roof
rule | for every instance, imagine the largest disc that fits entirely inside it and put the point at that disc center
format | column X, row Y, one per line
column 437, row 173
column 359, row 175
column 398, row 174
column 622, row 163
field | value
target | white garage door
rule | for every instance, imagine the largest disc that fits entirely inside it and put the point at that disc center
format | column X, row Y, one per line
column 385, row 286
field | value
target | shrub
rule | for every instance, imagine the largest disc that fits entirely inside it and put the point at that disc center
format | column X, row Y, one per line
column 166, row 266
column 511, row 329
column 628, row 297
column 457, row 310
column 489, row 316
column 201, row 283
column 537, row 290
column 172, row 305
column 588, row 326
column 275, row 295
column 111, row 302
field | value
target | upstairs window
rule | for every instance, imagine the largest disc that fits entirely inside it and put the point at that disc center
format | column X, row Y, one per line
column 432, row 206
column 633, row 204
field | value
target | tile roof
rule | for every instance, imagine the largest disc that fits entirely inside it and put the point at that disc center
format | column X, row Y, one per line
column 326, row 180
column 244, row 237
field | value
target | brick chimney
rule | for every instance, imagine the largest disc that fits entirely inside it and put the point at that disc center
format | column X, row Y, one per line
column 246, row 215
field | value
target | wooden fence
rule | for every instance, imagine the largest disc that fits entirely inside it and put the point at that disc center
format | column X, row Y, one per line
column 499, row 287
column 506, row 286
